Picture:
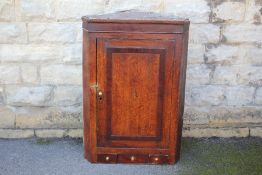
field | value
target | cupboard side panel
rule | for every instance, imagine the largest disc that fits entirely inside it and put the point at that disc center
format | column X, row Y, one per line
column 174, row 123
column 89, row 95
column 182, row 93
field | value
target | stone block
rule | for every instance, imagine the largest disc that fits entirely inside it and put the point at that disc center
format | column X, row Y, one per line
column 7, row 117
column 254, row 55
column 73, row 10
column 29, row 73
column 222, row 116
column 50, row 133
column 152, row 5
column 53, row 32
column 234, row 116
column 2, row 100
column 67, row 95
column 61, row 74
column 256, row 132
column 208, row 95
column 7, row 11
column 9, row 74
column 253, row 13
column 28, row 95
column 195, row 115
column 53, row 118
column 238, row 75
column 223, row 54
column 239, row 95
column 226, row 75
column 258, row 96
column 79, row 36
column 216, row 132
column 241, row 33
column 198, row 74
column 13, row 33
column 197, row 11
column 196, row 54
column 187, row 94
column 72, row 54
column 37, row 53
column 119, row 5
column 75, row 133
column 33, row 10
column 204, row 33
column 229, row 11
column 16, row 134
column 250, row 75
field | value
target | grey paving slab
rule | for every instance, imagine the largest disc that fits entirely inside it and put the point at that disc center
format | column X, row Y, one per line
column 65, row 157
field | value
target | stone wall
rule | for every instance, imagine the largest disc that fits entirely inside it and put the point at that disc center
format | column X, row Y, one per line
column 40, row 65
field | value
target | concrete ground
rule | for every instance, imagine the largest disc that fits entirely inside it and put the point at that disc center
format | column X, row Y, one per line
column 65, row 157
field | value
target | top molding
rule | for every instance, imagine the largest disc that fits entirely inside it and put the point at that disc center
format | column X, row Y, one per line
column 135, row 22
column 133, row 16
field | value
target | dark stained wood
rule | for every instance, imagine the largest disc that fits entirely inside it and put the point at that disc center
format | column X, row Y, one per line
column 131, row 28
column 175, row 110
column 107, row 158
column 133, row 82
column 89, row 96
column 182, row 84
column 158, row 159
column 132, row 113
column 103, row 150
column 132, row 158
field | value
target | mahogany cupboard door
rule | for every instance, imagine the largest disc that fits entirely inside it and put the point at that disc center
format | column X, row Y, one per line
column 134, row 79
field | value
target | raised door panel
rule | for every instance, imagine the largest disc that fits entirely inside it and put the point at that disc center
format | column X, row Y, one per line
column 135, row 82
column 134, row 77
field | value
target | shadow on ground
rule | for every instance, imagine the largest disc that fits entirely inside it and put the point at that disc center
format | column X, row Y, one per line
column 214, row 156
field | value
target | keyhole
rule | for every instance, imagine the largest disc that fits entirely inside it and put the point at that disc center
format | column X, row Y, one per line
column 100, row 95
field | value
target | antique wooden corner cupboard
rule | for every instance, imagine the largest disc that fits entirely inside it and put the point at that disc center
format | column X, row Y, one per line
column 134, row 67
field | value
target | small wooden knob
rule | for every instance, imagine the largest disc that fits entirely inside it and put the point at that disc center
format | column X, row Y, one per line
column 107, row 158
column 156, row 158
column 132, row 158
